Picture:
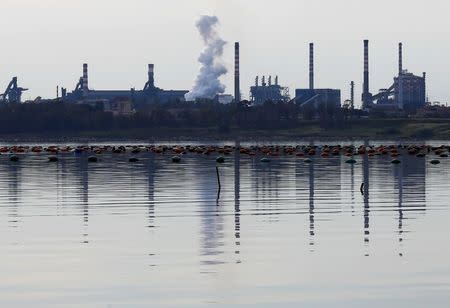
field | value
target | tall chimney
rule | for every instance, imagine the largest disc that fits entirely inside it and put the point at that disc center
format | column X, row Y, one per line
column 311, row 66
column 400, row 59
column 352, row 95
column 237, row 83
column 366, row 96
column 151, row 75
column 85, row 87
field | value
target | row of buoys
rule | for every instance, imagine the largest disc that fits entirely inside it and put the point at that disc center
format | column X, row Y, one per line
column 219, row 159
column 300, row 151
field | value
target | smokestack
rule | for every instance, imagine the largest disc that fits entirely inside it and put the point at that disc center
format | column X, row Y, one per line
column 311, row 66
column 85, row 87
column 366, row 96
column 400, row 59
column 366, row 67
column 352, row 95
column 151, row 75
column 237, row 82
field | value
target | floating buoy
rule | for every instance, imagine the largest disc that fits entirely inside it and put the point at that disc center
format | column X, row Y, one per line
column 395, row 161
column 220, row 159
column 350, row 161
column 133, row 160
column 435, row 162
column 14, row 158
column 307, row 161
column 265, row 160
column 93, row 159
column 176, row 159
column 52, row 159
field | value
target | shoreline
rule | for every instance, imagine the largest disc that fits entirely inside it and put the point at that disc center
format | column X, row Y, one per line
column 361, row 129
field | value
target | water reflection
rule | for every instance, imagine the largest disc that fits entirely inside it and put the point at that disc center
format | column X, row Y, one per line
column 237, row 196
column 14, row 175
column 410, row 181
column 151, row 171
column 294, row 222
column 286, row 186
column 311, row 204
column 366, row 190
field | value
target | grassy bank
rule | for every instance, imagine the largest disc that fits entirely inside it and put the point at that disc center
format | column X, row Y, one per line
column 357, row 129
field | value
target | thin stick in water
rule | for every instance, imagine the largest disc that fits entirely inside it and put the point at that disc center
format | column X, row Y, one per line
column 218, row 182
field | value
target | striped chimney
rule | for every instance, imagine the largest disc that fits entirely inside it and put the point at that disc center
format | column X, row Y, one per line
column 311, row 66
column 366, row 67
column 85, row 87
column 237, row 83
column 400, row 59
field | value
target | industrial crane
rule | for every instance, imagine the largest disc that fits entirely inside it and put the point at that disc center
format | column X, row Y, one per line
column 13, row 93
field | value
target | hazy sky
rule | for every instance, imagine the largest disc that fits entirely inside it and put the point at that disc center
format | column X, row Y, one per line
column 44, row 42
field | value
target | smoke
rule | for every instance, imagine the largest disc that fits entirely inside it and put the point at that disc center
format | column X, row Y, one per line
column 207, row 84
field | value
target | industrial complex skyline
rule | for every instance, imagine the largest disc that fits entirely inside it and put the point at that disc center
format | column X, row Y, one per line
column 118, row 39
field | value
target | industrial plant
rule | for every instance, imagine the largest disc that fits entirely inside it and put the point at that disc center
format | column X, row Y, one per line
column 13, row 93
column 268, row 91
column 149, row 94
column 316, row 97
column 407, row 92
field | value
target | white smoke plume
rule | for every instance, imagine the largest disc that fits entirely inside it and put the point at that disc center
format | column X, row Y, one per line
column 207, row 84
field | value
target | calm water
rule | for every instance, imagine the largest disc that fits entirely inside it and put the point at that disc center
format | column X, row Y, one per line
column 152, row 234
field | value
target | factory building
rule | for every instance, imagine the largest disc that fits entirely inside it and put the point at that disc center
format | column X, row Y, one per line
column 149, row 94
column 266, row 91
column 408, row 92
column 318, row 97
column 313, row 96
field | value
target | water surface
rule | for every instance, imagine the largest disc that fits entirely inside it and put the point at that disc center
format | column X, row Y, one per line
column 152, row 233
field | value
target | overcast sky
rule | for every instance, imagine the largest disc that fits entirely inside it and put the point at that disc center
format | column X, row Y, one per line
column 45, row 42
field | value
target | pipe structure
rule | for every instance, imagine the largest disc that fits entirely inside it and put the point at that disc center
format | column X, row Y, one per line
column 311, row 66
column 237, row 83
